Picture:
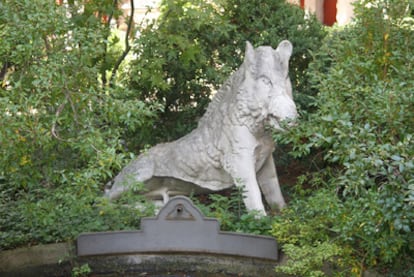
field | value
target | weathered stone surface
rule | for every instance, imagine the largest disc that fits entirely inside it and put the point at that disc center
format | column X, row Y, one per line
column 231, row 145
column 178, row 228
column 43, row 260
column 40, row 260
column 179, row 265
column 57, row 261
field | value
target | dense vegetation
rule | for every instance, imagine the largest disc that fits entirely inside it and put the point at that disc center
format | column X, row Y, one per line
column 73, row 110
column 358, row 209
column 62, row 123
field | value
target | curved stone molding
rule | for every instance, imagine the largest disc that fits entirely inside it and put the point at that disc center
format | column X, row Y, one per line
column 180, row 227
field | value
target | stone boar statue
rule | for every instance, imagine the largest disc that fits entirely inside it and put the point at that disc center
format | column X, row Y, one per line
column 231, row 145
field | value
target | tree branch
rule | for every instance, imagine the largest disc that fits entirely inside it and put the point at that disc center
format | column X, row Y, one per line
column 127, row 46
column 108, row 32
column 57, row 114
column 4, row 69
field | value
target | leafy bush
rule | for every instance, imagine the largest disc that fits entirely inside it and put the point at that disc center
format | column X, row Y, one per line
column 61, row 124
column 230, row 211
column 195, row 45
column 363, row 127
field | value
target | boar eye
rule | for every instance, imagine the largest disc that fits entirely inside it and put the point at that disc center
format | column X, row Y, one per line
column 266, row 81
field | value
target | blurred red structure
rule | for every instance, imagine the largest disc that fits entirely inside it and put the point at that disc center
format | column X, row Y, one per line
column 329, row 12
column 325, row 9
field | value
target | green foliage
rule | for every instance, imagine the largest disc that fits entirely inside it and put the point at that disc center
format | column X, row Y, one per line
column 61, row 125
column 69, row 115
column 195, row 45
column 47, row 216
column 305, row 231
column 308, row 260
column 175, row 67
column 363, row 127
column 83, row 270
column 310, row 233
column 232, row 214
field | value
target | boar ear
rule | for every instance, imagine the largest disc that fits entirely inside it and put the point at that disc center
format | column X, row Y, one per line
column 285, row 49
column 249, row 54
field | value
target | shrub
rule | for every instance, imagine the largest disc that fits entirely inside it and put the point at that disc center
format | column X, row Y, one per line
column 363, row 127
column 61, row 125
column 232, row 214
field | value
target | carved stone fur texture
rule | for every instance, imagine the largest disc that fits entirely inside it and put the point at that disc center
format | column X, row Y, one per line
column 231, row 145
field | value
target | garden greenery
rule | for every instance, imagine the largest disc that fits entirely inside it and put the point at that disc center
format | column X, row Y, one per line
column 361, row 201
column 62, row 125
column 72, row 111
